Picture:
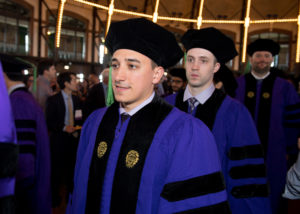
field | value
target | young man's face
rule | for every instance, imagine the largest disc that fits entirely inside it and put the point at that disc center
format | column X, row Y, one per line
column 200, row 67
column 177, row 83
column 261, row 62
column 51, row 72
column 133, row 77
column 72, row 85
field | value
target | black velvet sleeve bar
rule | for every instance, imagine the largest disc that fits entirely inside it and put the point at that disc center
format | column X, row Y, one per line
column 193, row 187
column 8, row 159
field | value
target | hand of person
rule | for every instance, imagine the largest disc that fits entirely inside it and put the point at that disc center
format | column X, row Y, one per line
column 70, row 129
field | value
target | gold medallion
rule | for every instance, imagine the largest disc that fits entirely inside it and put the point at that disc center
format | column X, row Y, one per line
column 101, row 150
column 132, row 158
column 250, row 94
column 266, row 95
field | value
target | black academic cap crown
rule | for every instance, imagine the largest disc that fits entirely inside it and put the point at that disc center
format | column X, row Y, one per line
column 145, row 37
column 178, row 72
column 211, row 39
column 263, row 45
column 12, row 65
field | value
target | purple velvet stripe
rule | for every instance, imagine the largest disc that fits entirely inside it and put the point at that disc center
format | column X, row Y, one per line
column 7, row 187
column 7, row 127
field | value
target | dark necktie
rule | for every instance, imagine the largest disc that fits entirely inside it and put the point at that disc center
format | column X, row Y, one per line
column 124, row 117
column 192, row 103
column 70, row 109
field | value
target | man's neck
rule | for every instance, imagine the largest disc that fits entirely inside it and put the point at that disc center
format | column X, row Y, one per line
column 67, row 91
column 12, row 85
column 197, row 90
column 46, row 77
column 130, row 106
column 260, row 75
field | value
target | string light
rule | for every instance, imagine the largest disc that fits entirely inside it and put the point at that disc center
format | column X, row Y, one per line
column 272, row 21
column 59, row 21
column 298, row 40
column 198, row 21
column 223, row 21
column 176, row 19
column 155, row 14
column 110, row 13
column 246, row 27
column 92, row 4
column 133, row 13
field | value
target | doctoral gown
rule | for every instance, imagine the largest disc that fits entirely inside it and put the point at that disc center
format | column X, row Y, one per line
column 267, row 101
column 8, row 151
column 33, row 174
column 160, row 160
column 239, row 149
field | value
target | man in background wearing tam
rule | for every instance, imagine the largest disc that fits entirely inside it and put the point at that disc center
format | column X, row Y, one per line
column 266, row 96
column 178, row 79
column 33, row 173
column 230, row 122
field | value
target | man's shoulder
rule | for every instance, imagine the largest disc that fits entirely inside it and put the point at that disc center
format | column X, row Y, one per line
column 25, row 100
column 171, row 98
column 96, row 115
column 182, row 119
column 55, row 97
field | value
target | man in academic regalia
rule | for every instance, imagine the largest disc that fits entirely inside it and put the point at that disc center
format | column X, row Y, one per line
column 33, row 173
column 141, row 155
column 230, row 122
column 8, row 152
column 178, row 79
column 266, row 96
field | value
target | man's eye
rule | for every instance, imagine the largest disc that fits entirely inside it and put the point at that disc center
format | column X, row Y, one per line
column 114, row 66
column 190, row 60
column 132, row 66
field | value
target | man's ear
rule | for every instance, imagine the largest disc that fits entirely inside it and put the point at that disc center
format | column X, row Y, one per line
column 66, row 84
column 217, row 67
column 158, row 73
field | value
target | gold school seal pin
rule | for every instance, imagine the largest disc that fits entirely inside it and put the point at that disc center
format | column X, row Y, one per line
column 101, row 150
column 266, row 95
column 250, row 94
column 132, row 158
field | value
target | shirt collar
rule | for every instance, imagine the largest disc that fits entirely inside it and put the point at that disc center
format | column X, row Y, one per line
column 19, row 85
column 139, row 107
column 202, row 97
column 260, row 78
column 65, row 95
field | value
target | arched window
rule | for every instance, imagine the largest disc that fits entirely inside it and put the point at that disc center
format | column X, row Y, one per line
column 73, row 38
column 282, row 60
column 15, row 22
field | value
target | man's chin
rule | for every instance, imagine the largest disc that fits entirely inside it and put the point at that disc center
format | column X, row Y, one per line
column 262, row 71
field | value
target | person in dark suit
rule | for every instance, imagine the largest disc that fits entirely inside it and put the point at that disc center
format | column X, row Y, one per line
column 95, row 98
column 64, row 115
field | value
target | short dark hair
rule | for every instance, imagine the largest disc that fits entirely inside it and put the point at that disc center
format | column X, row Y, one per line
column 45, row 65
column 93, row 73
column 153, row 64
column 16, row 76
column 64, row 77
